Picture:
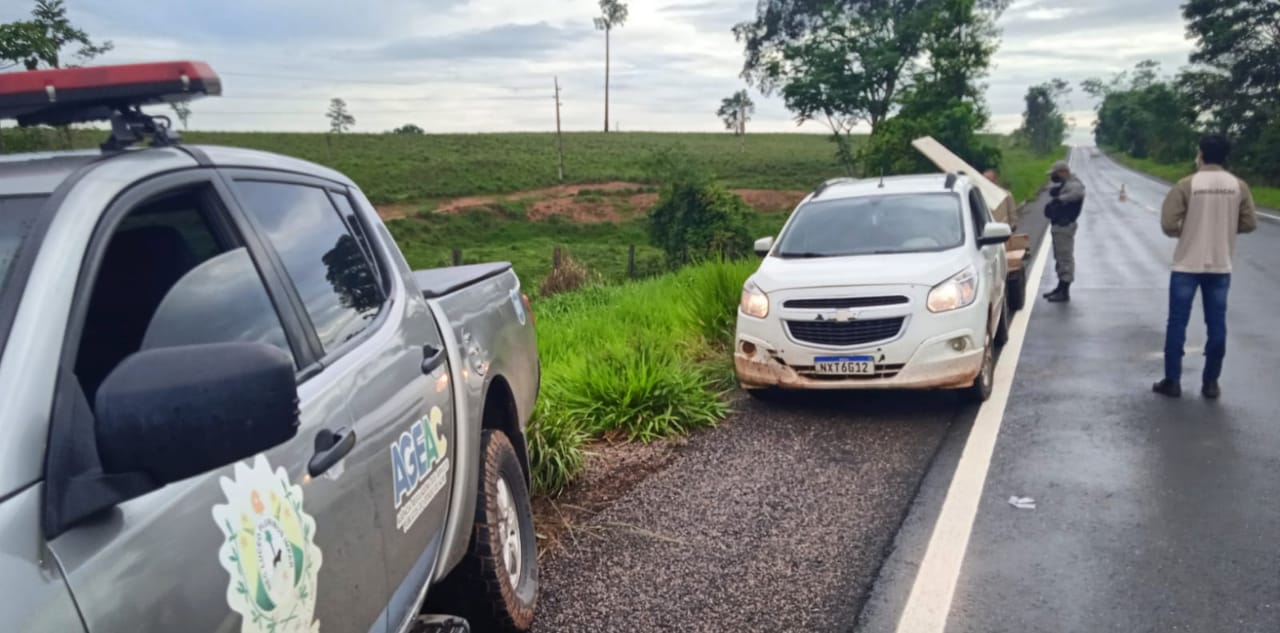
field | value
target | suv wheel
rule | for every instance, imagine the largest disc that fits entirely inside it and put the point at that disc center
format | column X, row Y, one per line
column 981, row 389
column 495, row 586
column 1002, row 329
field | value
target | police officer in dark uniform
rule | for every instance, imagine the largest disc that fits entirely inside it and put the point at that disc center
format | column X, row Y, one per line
column 1063, row 211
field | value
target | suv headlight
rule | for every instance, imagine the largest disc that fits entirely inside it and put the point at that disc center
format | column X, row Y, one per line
column 954, row 293
column 755, row 302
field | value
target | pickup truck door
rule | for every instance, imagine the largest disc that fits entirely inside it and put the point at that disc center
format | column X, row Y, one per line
column 262, row 545
column 379, row 346
column 406, row 389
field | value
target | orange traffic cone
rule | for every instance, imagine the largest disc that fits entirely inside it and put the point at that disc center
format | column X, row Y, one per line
column 1123, row 196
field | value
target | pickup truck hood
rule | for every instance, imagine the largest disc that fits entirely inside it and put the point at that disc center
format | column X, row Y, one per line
column 911, row 269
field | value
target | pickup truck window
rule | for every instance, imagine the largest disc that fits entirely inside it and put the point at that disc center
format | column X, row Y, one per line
column 326, row 263
column 904, row 223
column 168, row 278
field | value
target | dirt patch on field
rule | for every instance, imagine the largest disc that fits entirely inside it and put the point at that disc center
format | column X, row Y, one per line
column 599, row 202
column 576, row 209
column 771, row 200
column 612, row 470
column 396, row 211
column 561, row 191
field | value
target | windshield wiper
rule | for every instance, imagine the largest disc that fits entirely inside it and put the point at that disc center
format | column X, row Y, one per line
column 805, row 255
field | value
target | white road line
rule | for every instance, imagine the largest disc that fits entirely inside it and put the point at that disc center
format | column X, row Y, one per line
column 930, row 601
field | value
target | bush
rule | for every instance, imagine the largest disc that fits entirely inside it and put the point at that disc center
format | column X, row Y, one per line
column 698, row 221
column 645, row 359
column 570, row 276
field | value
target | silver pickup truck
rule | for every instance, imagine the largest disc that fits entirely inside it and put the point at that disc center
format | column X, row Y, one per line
column 229, row 405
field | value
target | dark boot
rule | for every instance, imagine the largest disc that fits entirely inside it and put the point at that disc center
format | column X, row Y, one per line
column 1168, row 388
column 1211, row 390
column 1061, row 295
column 1055, row 291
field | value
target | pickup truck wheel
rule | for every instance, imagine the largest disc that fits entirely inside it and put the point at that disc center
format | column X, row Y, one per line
column 981, row 389
column 495, row 586
column 1016, row 293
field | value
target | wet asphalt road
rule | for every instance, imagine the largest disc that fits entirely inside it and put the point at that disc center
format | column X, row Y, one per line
column 1152, row 515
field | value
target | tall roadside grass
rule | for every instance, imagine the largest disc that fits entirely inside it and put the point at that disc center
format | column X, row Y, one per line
column 640, row 360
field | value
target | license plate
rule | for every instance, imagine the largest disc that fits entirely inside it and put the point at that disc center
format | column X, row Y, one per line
column 845, row 365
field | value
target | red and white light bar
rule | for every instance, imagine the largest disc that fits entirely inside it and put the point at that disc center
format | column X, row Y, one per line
column 74, row 95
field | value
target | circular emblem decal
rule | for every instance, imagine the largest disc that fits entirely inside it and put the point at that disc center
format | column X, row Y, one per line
column 268, row 550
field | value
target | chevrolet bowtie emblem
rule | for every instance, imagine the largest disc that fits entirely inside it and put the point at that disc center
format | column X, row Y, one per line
column 840, row 315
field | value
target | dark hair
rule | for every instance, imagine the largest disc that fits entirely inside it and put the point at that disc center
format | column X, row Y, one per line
column 1214, row 149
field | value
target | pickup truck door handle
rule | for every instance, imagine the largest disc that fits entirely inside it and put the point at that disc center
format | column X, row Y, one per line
column 432, row 357
column 331, row 447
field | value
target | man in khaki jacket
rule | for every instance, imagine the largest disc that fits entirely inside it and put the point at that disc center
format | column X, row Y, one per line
column 1204, row 211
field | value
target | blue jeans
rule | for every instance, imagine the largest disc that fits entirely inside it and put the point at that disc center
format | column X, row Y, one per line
column 1182, row 291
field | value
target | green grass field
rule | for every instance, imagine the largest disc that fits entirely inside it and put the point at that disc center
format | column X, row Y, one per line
column 1268, row 197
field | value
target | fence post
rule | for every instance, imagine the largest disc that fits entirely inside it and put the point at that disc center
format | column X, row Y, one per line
column 457, row 257
column 555, row 259
column 631, row 262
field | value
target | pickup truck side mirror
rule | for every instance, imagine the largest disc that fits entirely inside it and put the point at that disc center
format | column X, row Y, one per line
column 175, row 412
column 763, row 246
column 995, row 233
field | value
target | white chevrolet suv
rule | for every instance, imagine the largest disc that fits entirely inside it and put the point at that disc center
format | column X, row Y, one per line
column 878, row 284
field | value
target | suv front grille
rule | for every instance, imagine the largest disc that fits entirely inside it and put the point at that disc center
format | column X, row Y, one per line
column 845, row 302
column 845, row 333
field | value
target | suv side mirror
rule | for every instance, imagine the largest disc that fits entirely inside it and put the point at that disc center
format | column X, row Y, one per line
column 763, row 246
column 228, row 401
column 995, row 233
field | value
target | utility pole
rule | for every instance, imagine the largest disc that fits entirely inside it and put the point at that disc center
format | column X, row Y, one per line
column 606, row 79
column 559, row 138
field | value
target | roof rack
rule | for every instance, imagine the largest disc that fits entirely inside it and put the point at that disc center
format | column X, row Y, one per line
column 107, row 93
column 951, row 181
column 832, row 181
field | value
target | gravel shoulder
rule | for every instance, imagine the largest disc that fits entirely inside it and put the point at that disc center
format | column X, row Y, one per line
column 778, row 520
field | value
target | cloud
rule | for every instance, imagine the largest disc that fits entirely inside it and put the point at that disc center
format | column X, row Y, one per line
column 520, row 41
column 487, row 65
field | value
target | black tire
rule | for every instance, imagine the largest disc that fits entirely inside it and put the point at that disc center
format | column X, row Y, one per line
column 480, row 589
column 981, row 389
column 765, row 394
column 1002, row 329
column 1016, row 291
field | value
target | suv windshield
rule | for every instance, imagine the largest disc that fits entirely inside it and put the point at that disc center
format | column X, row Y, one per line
column 17, row 214
column 905, row 223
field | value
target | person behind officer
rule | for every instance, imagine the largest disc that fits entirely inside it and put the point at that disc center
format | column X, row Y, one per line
column 1063, row 211
column 1205, row 212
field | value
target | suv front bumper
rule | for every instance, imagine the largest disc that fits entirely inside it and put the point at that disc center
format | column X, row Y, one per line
column 934, row 351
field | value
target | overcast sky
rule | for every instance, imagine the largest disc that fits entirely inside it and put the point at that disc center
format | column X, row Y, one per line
column 487, row 65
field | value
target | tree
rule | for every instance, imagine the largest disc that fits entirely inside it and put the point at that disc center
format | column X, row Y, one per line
column 613, row 14
column 340, row 120
column 39, row 42
column 1044, row 126
column 182, row 109
column 1234, row 82
column 852, row 61
column 1145, row 115
column 408, row 129
column 735, row 110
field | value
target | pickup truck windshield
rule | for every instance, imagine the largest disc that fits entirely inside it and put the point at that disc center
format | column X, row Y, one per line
column 17, row 214
column 903, row 223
